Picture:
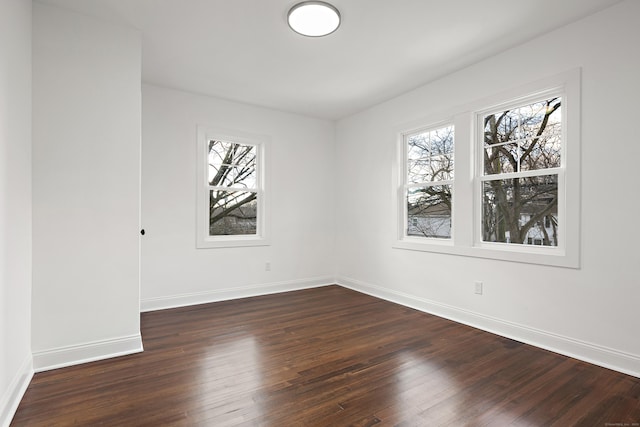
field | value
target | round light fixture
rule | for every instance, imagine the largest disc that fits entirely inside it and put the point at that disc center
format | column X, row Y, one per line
column 313, row 18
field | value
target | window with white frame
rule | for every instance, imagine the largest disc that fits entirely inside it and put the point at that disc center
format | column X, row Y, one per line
column 522, row 167
column 230, row 190
column 516, row 182
column 428, row 187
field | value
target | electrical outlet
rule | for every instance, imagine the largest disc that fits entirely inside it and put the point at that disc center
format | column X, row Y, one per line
column 478, row 289
column 267, row 266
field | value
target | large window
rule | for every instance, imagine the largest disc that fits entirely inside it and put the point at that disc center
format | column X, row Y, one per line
column 515, row 194
column 230, row 190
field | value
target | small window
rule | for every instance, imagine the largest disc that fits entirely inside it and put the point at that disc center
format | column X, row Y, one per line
column 428, row 187
column 230, row 190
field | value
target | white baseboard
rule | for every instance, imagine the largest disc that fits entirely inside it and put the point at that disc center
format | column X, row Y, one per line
column 182, row 300
column 87, row 352
column 13, row 395
column 587, row 352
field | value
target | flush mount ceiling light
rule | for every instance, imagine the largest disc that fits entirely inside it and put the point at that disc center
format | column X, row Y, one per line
column 313, row 18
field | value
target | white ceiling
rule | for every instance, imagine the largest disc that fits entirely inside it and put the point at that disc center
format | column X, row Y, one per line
column 243, row 50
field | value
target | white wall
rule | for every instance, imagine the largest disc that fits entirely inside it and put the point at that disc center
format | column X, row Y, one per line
column 15, row 204
column 300, row 181
column 86, row 165
column 591, row 312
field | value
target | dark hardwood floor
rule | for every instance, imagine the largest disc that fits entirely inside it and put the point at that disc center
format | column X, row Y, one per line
column 327, row 357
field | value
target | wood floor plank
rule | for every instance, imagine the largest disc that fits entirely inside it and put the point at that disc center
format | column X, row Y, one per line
column 326, row 357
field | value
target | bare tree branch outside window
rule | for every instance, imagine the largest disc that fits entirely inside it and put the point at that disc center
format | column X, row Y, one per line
column 522, row 146
column 233, row 195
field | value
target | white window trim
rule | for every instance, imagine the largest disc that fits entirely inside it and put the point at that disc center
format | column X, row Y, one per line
column 466, row 233
column 203, row 239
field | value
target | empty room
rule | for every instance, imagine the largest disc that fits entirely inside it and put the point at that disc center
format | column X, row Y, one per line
column 291, row 213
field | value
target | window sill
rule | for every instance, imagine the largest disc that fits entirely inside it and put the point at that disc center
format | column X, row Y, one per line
column 231, row 242
column 555, row 257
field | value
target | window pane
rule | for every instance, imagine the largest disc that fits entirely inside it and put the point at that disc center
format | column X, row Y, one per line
column 418, row 146
column 515, row 210
column 441, row 167
column 232, row 212
column 533, row 115
column 218, row 152
column 224, row 156
column 501, row 127
column 442, row 140
column 542, row 152
column 430, row 156
column 429, row 211
column 501, row 158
